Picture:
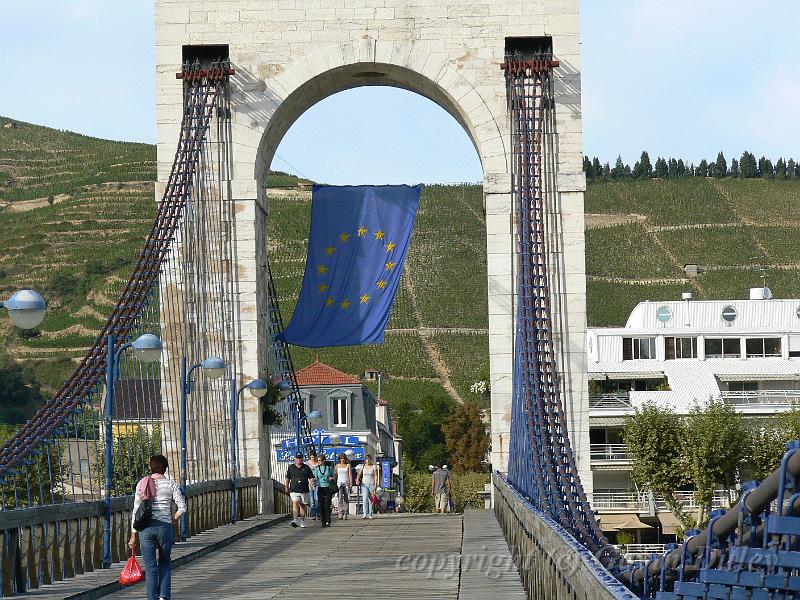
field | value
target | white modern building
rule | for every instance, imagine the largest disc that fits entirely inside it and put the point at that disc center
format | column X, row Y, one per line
column 676, row 353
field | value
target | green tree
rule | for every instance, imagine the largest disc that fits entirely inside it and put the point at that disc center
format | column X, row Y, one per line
column 597, row 169
column 673, row 168
column 748, row 166
column 680, row 169
column 20, row 394
column 791, row 169
column 419, row 421
column 661, row 170
column 645, row 167
column 720, row 166
column 654, row 437
column 780, row 169
column 618, row 172
column 36, row 483
column 131, row 456
column 587, row 167
column 734, row 168
column 702, row 169
column 769, row 438
column 466, row 438
column 716, row 444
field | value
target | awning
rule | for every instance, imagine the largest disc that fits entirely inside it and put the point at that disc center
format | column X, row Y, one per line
column 759, row 376
column 617, row 521
column 669, row 523
column 602, row 375
column 606, row 421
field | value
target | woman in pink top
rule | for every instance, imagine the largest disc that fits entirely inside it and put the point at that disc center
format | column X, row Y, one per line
column 157, row 535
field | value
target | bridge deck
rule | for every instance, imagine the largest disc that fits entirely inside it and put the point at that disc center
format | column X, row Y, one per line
column 392, row 556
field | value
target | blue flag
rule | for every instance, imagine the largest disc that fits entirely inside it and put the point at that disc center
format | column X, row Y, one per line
column 356, row 249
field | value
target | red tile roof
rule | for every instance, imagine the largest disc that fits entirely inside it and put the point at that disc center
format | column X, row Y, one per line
column 319, row 373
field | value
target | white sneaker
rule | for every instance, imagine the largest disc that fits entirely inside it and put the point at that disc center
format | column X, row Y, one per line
column 302, row 523
column 369, row 516
column 364, row 517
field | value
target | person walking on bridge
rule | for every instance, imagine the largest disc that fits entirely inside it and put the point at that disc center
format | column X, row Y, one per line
column 440, row 489
column 323, row 474
column 298, row 479
column 157, row 534
column 367, row 478
column 344, row 483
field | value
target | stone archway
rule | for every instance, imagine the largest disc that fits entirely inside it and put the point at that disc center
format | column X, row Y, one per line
column 287, row 59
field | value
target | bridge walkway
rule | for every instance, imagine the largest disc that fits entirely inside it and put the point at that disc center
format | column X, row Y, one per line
column 393, row 556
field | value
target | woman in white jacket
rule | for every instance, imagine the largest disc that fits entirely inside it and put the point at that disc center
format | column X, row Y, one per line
column 158, row 533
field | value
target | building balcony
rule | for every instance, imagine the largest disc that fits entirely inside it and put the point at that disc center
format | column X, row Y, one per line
column 616, row 500
column 643, row 552
column 610, row 401
column 761, row 400
column 609, row 456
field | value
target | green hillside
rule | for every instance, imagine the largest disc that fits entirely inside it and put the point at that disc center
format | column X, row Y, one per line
column 74, row 211
column 641, row 233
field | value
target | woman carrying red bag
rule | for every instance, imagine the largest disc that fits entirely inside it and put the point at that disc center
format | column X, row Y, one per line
column 157, row 533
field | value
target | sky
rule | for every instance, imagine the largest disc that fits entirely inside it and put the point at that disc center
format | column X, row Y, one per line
column 679, row 78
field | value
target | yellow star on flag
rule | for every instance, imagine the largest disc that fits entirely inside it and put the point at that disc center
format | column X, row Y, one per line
column 381, row 284
column 323, row 288
column 379, row 235
column 322, row 269
column 329, row 301
column 390, row 265
column 364, row 299
column 344, row 304
column 362, row 231
column 390, row 246
column 344, row 236
column 330, row 250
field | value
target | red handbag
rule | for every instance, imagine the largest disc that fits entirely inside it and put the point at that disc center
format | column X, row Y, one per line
column 131, row 572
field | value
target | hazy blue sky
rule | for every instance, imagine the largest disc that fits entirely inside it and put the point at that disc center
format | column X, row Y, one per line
column 679, row 78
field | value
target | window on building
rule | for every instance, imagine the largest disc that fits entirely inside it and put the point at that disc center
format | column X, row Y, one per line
column 680, row 347
column 743, row 386
column 638, row 348
column 339, row 412
column 723, row 348
column 762, row 347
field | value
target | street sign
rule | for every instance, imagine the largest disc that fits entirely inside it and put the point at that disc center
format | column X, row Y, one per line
column 345, row 440
column 331, row 453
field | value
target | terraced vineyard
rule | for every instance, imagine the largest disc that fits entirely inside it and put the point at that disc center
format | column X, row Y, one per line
column 74, row 211
column 640, row 234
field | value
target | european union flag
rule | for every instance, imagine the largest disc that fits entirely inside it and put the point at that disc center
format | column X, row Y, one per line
column 356, row 249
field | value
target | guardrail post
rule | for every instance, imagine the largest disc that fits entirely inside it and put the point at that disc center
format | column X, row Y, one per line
column 234, row 401
column 108, row 449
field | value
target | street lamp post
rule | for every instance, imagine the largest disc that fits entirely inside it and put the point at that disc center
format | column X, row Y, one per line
column 315, row 415
column 26, row 308
column 258, row 389
column 214, row 368
column 147, row 348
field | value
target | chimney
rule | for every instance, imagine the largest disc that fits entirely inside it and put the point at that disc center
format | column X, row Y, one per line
column 394, row 427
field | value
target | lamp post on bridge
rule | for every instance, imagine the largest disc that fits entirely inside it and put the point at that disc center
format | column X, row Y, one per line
column 258, row 389
column 214, row 368
column 26, row 308
column 147, row 348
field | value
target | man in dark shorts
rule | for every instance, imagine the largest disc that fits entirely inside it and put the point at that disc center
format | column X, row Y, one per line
column 298, row 478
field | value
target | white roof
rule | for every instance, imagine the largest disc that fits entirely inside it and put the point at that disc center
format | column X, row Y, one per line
column 706, row 315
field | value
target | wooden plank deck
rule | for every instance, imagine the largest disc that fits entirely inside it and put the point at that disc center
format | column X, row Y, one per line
column 404, row 557
column 487, row 567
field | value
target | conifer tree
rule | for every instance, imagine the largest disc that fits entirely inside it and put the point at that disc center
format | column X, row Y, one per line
column 597, row 169
column 627, row 172
column 747, row 166
column 734, row 168
column 702, row 169
column 680, row 169
column 661, row 170
column 791, row 169
column 587, row 167
column 618, row 172
column 645, row 166
column 673, row 167
column 720, row 166
column 606, row 171
column 780, row 169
